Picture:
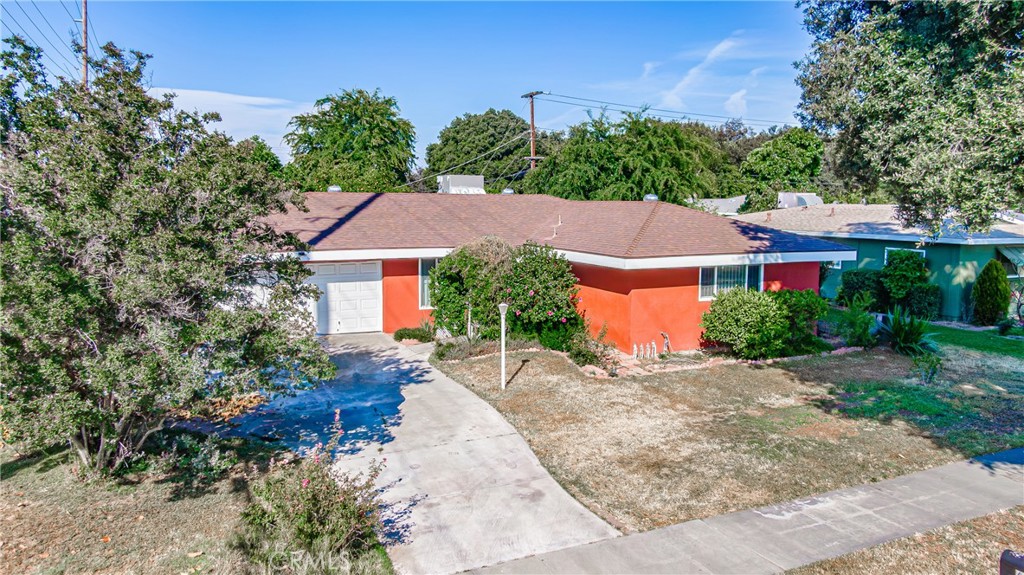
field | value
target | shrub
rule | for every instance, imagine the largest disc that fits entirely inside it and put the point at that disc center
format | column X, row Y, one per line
column 417, row 333
column 927, row 367
column 753, row 324
column 853, row 282
column 906, row 334
column 586, row 350
column 197, row 462
column 1005, row 325
column 923, row 301
column 991, row 294
column 857, row 324
column 803, row 309
column 308, row 508
column 469, row 276
column 903, row 271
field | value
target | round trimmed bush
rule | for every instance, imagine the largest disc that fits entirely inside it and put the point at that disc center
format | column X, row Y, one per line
column 991, row 294
column 754, row 325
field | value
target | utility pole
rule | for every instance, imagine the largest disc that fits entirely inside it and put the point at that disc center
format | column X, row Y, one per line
column 532, row 129
column 85, row 43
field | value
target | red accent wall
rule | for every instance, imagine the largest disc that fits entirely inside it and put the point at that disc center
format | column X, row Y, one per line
column 640, row 304
column 802, row 275
column 400, row 285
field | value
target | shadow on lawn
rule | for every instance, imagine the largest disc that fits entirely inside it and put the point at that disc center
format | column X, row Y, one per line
column 972, row 417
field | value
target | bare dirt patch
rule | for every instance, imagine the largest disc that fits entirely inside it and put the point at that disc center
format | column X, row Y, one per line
column 662, row 449
column 969, row 547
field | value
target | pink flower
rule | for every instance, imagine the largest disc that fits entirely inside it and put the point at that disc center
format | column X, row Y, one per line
column 518, row 312
column 531, row 292
column 305, row 483
column 550, row 313
column 563, row 320
column 509, row 290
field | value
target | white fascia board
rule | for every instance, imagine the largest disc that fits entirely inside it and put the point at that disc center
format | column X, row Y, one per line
column 372, row 254
column 707, row 261
column 916, row 239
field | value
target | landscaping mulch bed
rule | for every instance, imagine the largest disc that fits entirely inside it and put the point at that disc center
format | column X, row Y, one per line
column 650, row 451
column 969, row 547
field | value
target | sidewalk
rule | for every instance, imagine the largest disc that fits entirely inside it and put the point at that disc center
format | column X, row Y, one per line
column 774, row 539
column 475, row 493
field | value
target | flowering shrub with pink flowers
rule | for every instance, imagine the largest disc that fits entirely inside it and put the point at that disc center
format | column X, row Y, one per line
column 306, row 507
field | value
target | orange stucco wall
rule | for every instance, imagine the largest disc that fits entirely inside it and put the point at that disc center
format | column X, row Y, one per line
column 639, row 305
column 400, row 285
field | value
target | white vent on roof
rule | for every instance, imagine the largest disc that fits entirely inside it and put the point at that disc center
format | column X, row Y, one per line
column 333, row 188
column 651, row 198
column 460, row 184
column 508, row 192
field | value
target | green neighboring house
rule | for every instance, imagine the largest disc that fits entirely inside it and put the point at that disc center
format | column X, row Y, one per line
column 955, row 258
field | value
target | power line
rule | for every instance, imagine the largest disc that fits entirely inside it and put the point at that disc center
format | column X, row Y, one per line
column 663, row 110
column 511, row 126
column 443, row 172
column 57, row 65
column 41, row 33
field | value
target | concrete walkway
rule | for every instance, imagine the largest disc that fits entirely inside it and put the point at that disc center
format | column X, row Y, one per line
column 774, row 539
column 474, row 492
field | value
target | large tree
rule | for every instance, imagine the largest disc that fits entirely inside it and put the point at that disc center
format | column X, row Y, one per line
column 356, row 140
column 789, row 163
column 494, row 144
column 138, row 277
column 625, row 160
column 924, row 99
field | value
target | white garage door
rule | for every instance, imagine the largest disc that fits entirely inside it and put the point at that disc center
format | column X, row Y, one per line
column 352, row 297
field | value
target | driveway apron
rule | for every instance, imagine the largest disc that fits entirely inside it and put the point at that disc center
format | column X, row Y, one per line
column 464, row 488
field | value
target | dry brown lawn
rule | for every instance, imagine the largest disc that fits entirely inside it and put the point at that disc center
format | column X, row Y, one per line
column 969, row 547
column 52, row 522
column 658, row 450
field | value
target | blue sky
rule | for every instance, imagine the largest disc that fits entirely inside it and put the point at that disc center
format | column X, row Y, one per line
column 260, row 63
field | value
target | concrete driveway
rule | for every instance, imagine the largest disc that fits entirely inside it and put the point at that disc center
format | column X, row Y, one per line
column 469, row 490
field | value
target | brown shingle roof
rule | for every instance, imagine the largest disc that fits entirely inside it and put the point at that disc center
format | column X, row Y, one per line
column 348, row 221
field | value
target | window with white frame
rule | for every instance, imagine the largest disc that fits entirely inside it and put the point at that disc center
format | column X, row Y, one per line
column 887, row 250
column 836, row 264
column 720, row 279
column 426, row 264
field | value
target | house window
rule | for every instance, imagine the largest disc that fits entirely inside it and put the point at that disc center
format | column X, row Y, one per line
column 426, row 264
column 716, row 280
column 887, row 250
column 836, row 264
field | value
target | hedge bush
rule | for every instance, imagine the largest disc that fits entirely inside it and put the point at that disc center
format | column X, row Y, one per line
column 857, row 323
column 923, row 301
column 904, row 270
column 991, row 294
column 754, row 325
column 537, row 284
column 853, row 282
column 803, row 309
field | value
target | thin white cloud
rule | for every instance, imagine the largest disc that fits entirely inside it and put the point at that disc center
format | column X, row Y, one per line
column 649, row 67
column 736, row 105
column 673, row 98
column 243, row 116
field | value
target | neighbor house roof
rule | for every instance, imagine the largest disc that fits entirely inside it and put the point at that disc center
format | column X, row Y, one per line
column 610, row 229
column 875, row 221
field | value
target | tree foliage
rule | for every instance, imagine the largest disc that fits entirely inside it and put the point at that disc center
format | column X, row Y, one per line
column 625, row 160
column 925, row 101
column 788, row 163
column 493, row 144
column 138, row 277
column 355, row 139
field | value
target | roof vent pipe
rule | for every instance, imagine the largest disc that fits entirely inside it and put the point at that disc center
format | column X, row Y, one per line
column 333, row 188
column 508, row 192
column 651, row 198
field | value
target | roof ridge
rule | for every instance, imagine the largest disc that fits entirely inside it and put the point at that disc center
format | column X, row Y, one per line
column 643, row 230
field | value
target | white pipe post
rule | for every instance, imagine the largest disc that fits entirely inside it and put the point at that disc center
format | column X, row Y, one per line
column 502, row 308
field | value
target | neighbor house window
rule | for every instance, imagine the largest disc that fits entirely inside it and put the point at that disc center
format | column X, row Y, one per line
column 836, row 264
column 887, row 250
column 716, row 280
column 426, row 265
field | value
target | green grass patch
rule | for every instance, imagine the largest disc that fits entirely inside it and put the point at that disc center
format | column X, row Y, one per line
column 971, row 423
column 988, row 341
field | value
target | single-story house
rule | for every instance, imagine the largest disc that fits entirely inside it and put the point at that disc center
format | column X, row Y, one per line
column 643, row 267
column 955, row 258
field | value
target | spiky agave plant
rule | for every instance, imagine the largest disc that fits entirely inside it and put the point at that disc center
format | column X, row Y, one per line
column 906, row 334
